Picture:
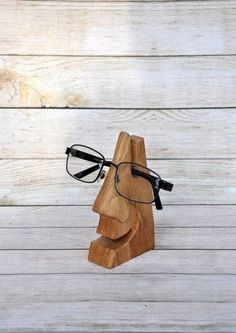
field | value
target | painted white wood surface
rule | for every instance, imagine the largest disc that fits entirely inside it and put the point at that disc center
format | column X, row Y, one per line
column 46, row 182
column 83, row 216
column 184, row 133
column 79, row 238
column 174, row 61
column 123, row 82
column 119, row 287
column 123, row 28
column 118, row 317
column 153, row 262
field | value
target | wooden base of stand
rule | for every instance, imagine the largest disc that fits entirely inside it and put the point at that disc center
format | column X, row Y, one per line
column 127, row 228
column 111, row 253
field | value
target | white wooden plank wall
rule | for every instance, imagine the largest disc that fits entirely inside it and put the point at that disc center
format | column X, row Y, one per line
column 71, row 70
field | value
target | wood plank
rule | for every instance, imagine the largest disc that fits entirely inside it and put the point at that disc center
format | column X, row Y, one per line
column 119, row 287
column 82, row 216
column 80, row 238
column 118, row 316
column 149, row 28
column 155, row 262
column 40, row 133
column 45, row 182
column 123, row 82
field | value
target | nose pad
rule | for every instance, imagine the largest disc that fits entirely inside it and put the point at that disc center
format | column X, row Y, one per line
column 117, row 179
column 102, row 175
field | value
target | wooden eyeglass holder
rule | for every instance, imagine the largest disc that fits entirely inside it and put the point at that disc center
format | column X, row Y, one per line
column 127, row 228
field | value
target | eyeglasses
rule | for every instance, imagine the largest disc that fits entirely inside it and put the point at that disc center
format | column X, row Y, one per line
column 86, row 165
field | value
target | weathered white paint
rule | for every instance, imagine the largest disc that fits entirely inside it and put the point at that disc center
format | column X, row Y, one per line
column 119, row 287
column 80, row 238
column 97, row 316
column 123, row 28
column 45, row 182
column 193, row 133
column 62, row 293
column 83, row 216
column 124, row 82
column 158, row 261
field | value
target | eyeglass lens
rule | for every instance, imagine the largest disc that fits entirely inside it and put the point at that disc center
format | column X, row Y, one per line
column 83, row 169
column 134, row 182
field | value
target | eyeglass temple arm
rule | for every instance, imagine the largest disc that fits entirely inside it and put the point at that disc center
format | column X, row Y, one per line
column 157, row 184
column 83, row 155
column 86, row 172
column 162, row 184
column 158, row 203
column 152, row 181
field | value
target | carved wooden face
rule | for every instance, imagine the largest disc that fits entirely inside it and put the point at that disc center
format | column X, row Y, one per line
column 108, row 203
column 127, row 228
column 117, row 214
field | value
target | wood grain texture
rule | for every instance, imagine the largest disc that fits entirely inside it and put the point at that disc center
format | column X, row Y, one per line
column 192, row 133
column 118, row 317
column 83, row 216
column 123, row 82
column 175, row 57
column 149, row 28
column 39, row 182
column 152, row 262
column 79, row 238
column 118, row 287
column 127, row 231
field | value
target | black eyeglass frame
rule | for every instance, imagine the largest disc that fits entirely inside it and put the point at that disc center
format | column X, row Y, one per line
column 90, row 158
column 157, row 183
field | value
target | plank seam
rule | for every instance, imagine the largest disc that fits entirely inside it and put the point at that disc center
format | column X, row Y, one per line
column 109, row 274
column 114, row 108
column 148, row 159
column 94, row 227
column 118, row 55
column 86, row 249
column 121, row 1
column 87, row 205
